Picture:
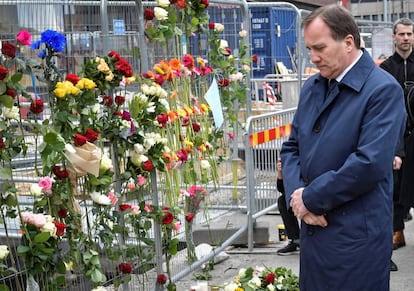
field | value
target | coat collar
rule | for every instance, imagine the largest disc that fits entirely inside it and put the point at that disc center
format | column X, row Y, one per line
column 357, row 76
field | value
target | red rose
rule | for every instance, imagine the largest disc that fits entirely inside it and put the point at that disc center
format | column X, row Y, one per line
column 159, row 79
column 118, row 113
column 124, row 207
column 162, row 119
column 173, row 1
column 73, row 78
column 91, row 135
column 1, row 143
column 3, row 72
column 189, row 217
column 204, row 2
column 162, row 279
column 60, row 172
column 8, row 49
column 182, row 155
column 196, row 126
column 123, row 66
column 255, row 58
column 11, row 92
column 60, row 228
column 167, row 218
column 270, row 278
column 149, row 14
column 211, row 25
column 62, row 212
column 125, row 268
column 37, row 106
column 115, row 55
column 223, row 82
column 119, row 100
column 147, row 166
column 107, row 101
column 182, row 4
column 80, row 140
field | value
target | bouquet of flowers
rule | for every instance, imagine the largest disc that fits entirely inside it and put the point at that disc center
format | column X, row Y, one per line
column 262, row 279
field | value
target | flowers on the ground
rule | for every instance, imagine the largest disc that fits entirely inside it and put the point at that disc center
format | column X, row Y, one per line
column 263, row 279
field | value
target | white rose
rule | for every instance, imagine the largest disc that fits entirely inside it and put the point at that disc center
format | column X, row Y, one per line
column 135, row 159
column 223, row 44
column 12, row 113
column 255, row 282
column 49, row 227
column 218, row 27
column 100, row 199
column 246, row 68
column 236, row 77
column 243, row 33
column 160, row 13
column 231, row 287
column 205, row 165
column 95, row 108
column 106, row 163
column 149, row 142
column 163, row 3
column 36, row 190
column 165, row 103
column 139, row 148
column 4, row 252
column 162, row 93
column 99, row 288
column 271, row 287
column 242, row 272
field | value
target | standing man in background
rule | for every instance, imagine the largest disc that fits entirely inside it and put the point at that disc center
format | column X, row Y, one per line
column 337, row 162
column 401, row 66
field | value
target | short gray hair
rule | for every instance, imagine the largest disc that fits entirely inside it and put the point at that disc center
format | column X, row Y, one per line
column 402, row 21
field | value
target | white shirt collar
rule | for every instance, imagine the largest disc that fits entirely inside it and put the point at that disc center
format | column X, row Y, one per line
column 341, row 76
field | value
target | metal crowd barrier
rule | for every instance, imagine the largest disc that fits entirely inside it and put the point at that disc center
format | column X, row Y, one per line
column 263, row 139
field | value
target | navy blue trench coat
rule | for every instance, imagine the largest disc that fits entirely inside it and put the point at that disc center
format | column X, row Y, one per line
column 341, row 150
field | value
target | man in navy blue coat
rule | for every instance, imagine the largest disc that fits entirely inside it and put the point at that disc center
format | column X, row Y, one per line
column 337, row 163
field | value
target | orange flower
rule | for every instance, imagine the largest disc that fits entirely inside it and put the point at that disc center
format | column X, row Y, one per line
column 174, row 94
column 175, row 64
column 172, row 115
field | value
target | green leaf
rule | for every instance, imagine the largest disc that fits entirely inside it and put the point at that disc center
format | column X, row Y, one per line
column 21, row 249
column 5, row 173
column 3, row 88
column 6, row 100
column 41, row 237
column 97, row 276
column 17, row 77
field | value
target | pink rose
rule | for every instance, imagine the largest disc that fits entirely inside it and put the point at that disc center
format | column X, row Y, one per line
column 141, row 180
column 38, row 220
column 46, row 184
column 24, row 37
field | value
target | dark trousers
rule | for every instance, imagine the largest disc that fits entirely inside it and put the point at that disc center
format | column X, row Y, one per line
column 289, row 219
column 400, row 211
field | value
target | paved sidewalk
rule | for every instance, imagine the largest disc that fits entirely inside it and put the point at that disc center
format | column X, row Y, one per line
column 402, row 280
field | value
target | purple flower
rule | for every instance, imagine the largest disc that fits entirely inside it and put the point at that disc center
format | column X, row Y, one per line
column 126, row 115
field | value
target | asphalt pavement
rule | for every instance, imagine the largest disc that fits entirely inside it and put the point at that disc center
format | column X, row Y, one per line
column 265, row 255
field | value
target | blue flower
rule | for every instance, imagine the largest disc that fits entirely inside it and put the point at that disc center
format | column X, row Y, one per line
column 42, row 54
column 53, row 39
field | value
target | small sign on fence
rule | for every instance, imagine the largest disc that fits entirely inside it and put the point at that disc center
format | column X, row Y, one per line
column 119, row 26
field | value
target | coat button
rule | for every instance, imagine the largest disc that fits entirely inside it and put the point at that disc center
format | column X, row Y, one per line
column 317, row 128
column 311, row 229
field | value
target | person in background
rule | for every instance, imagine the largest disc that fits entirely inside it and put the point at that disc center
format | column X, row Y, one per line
column 289, row 219
column 337, row 160
column 401, row 66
